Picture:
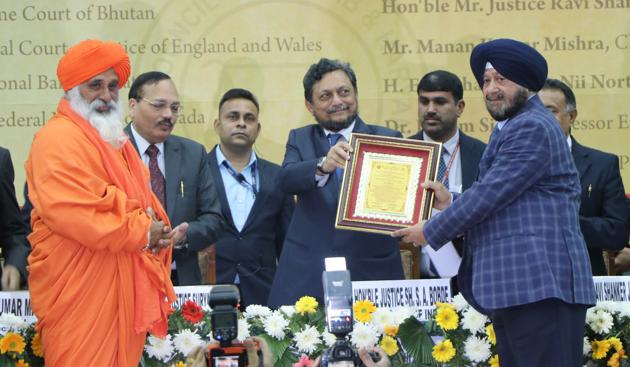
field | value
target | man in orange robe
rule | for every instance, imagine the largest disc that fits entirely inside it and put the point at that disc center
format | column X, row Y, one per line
column 100, row 265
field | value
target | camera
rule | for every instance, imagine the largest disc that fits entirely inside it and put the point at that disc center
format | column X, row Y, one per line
column 224, row 301
column 338, row 305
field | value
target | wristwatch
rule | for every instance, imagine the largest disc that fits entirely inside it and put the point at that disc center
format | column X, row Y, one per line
column 320, row 164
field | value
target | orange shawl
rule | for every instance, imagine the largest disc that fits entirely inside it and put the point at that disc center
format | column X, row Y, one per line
column 89, row 220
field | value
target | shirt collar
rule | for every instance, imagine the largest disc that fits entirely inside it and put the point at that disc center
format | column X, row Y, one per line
column 449, row 145
column 221, row 158
column 344, row 132
column 142, row 143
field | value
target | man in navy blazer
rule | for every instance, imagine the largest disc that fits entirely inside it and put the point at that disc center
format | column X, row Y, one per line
column 603, row 209
column 256, row 210
column 189, row 195
column 526, row 263
column 15, row 247
column 314, row 154
column 440, row 104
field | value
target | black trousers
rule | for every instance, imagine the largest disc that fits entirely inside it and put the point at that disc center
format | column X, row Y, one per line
column 545, row 333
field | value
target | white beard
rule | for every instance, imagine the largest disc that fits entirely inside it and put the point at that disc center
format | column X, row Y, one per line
column 108, row 124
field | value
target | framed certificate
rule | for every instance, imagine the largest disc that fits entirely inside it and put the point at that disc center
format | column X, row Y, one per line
column 381, row 189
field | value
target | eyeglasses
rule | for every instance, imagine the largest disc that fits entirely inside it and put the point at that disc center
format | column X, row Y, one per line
column 175, row 108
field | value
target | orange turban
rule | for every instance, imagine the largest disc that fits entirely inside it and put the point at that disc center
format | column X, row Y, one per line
column 90, row 58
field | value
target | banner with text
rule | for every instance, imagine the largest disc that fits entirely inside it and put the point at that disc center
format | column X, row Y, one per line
column 389, row 43
column 419, row 294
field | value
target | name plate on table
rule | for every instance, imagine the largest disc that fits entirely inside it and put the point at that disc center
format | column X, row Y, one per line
column 381, row 189
column 19, row 303
column 419, row 294
column 615, row 288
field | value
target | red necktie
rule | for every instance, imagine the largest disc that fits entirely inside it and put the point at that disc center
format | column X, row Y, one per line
column 157, row 178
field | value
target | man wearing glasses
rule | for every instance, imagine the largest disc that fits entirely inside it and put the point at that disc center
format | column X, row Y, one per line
column 180, row 176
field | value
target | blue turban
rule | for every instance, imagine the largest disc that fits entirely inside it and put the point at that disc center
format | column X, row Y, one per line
column 515, row 60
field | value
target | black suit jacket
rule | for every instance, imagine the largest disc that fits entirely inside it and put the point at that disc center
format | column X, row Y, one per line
column 254, row 251
column 312, row 235
column 13, row 231
column 603, row 210
column 190, row 197
column 471, row 151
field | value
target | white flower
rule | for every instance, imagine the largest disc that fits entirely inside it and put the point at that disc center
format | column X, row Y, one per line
column 158, row 348
column 610, row 306
column 601, row 322
column 9, row 321
column 257, row 310
column 460, row 302
column 477, row 349
column 624, row 309
column 288, row 310
column 364, row 335
column 329, row 338
column 381, row 318
column 474, row 321
column 307, row 339
column 275, row 325
column 243, row 329
column 185, row 341
column 206, row 308
column 402, row 313
column 586, row 347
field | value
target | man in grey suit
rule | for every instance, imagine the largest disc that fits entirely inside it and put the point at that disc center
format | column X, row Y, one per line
column 440, row 104
column 180, row 175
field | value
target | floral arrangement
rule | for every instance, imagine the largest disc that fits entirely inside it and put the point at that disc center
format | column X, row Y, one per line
column 20, row 345
column 607, row 334
column 457, row 336
column 467, row 336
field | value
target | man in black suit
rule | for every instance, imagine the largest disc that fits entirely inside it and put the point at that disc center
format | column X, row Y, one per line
column 13, row 242
column 180, row 176
column 440, row 104
column 256, row 211
column 603, row 211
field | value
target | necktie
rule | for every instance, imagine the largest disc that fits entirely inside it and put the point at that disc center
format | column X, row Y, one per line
column 442, row 168
column 158, row 182
column 333, row 138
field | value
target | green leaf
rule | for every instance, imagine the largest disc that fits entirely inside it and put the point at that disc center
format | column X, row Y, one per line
column 279, row 349
column 417, row 342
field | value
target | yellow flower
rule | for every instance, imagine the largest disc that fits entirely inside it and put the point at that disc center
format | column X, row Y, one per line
column 494, row 361
column 615, row 343
column 363, row 310
column 447, row 318
column 600, row 348
column 12, row 343
column 613, row 361
column 180, row 364
column 306, row 304
column 36, row 345
column 21, row 363
column 491, row 335
column 391, row 330
column 444, row 351
column 389, row 345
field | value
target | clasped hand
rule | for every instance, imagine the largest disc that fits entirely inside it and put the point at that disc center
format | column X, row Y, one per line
column 161, row 236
